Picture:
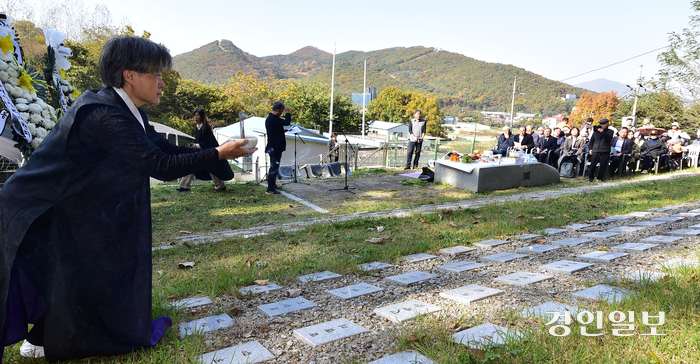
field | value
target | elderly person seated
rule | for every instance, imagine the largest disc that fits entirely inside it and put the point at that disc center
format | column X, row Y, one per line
column 650, row 150
column 623, row 148
column 573, row 149
column 530, row 131
column 696, row 141
column 505, row 141
column 629, row 124
column 646, row 123
column 523, row 142
column 637, row 142
column 547, row 143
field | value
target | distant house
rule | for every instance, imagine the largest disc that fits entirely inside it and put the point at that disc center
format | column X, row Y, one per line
column 385, row 128
column 523, row 116
column 569, row 97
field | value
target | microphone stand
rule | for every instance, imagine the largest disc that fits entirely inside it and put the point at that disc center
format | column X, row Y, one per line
column 346, row 188
column 294, row 172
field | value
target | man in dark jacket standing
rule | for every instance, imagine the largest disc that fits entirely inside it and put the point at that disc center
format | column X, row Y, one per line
column 599, row 148
column 276, row 142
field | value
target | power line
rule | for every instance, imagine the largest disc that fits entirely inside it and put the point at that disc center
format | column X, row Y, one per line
column 616, row 63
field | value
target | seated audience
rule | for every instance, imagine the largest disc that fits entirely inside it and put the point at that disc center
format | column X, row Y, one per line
column 547, row 143
column 651, row 149
column 623, row 148
column 523, row 142
column 532, row 133
column 505, row 141
column 697, row 141
column 573, row 149
column 647, row 123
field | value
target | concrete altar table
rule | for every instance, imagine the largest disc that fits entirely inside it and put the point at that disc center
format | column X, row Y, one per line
column 479, row 176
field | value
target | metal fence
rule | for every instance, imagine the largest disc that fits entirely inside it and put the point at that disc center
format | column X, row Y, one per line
column 393, row 154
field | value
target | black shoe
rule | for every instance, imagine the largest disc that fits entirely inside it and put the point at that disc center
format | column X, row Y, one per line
column 590, row 181
column 279, row 188
column 407, row 168
column 220, row 189
column 180, row 189
column 273, row 192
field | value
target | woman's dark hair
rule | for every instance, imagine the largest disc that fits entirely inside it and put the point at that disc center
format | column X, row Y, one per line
column 131, row 53
column 202, row 118
column 577, row 129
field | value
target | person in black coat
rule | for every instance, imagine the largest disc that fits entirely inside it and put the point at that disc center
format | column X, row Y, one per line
column 505, row 141
column 524, row 140
column 599, row 149
column 276, row 142
column 547, row 143
column 623, row 147
column 651, row 149
column 204, row 138
column 75, row 220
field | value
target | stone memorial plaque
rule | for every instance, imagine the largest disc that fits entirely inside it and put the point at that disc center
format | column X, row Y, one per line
column 488, row 244
column 644, row 275
column 286, row 306
column 603, row 292
column 205, row 324
column 248, row 353
column 255, row 289
column 660, row 209
column 625, row 229
column 503, row 257
column 523, row 278
column 601, row 221
column 565, row 266
column 454, row 251
column 599, row 235
column 470, row 293
column 601, row 256
column 485, row 335
column 684, row 232
column 553, row 231
column 673, row 207
column 320, row 276
column 410, row 278
column 404, row 311
column 538, row 248
column 571, row 241
column 542, row 310
column 329, row 331
column 415, row 258
column 634, row 247
column 577, row 226
column 460, row 267
column 374, row 266
column 686, row 214
column 353, row 291
column 669, row 218
column 525, row 236
column 649, row 223
column 677, row 263
column 661, row 239
column 640, row 213
column 696, row 226
column 619, row 217
column 695, row 210
column 404, row 357
column 191, row 302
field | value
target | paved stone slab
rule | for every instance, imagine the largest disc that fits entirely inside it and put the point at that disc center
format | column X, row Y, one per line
column 661, row 239
column 640, row 213
column 553, row 231
column 415, row 258
column 644, row 275
column 286, row 306
column 502, row 257
column 677, row 263
column 374, row 266
column 410, row 278
column 525, row 236
column 649, row 223
column 684, row 232
column 669, row 218
column 488, row 244
column 485, row 335
column 248, row 353
column 255, row 289
column 620, row 217
column 604, row 292
column 673, row 207
column 470, row 293
column 577, row 226
column 601, row 256
column 695, row 210
column 523, row 278
column 205, row 324
column 634, row 247
column 660, row 209
column 353, row 291
column 696, row 226
column 538, row 248
column 565, row 266
column 571, row 241
column 601, row 221
column 551, row 306
column 404, row 357
column 192, row 302
column 329, row 331
column 626, row 229
column 460, row 267
column 454, row 251
column 599, row 235
column 319, row 276
column 687, row 214
column 405, row 311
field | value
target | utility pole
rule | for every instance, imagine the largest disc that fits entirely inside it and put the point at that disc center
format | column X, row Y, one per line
column 330, row 119
column 364, row 99
column 636, row 98
column 512, row 103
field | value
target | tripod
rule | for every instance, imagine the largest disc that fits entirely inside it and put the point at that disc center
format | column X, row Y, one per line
column 346, row 188
column 294, row 172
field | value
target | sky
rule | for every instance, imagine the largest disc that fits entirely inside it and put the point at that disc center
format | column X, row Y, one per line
column 555, row 39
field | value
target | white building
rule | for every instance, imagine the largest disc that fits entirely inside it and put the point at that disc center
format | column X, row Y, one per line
column 385, row 128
